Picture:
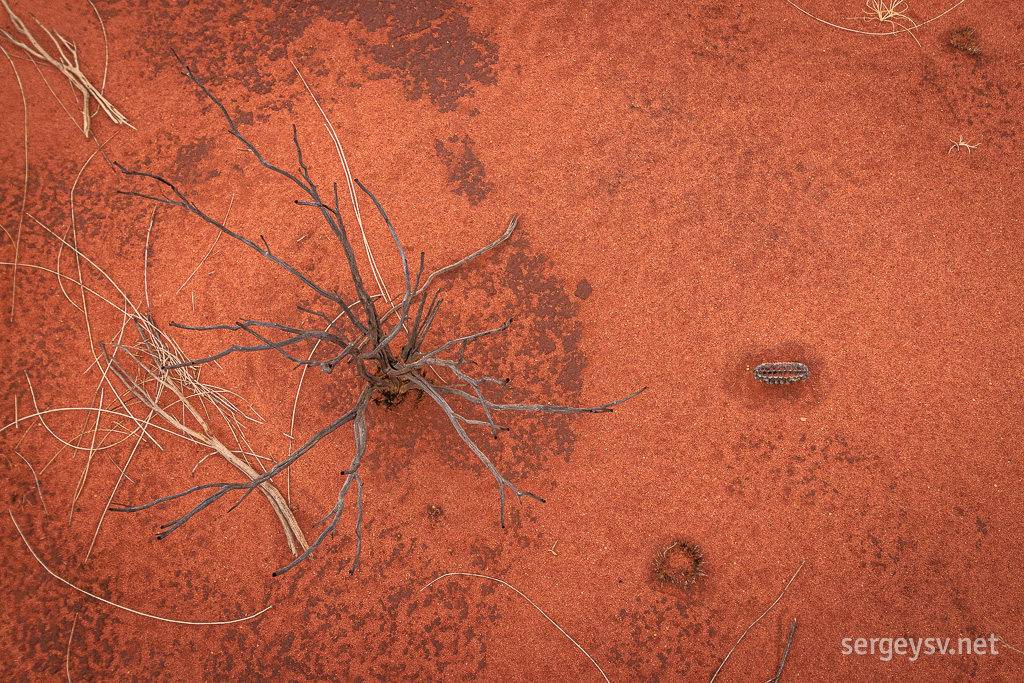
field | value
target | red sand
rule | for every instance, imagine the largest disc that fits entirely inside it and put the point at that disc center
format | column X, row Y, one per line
column 702, row 188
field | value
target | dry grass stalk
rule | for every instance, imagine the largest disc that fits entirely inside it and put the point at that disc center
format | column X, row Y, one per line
column 67, row 63
column 157, row 352
column 24, row 190
column 754, row 623
column 114, row 604
column 67, row 654
column 532, row 604
column 35, row 477
column 961, row 144
column 378, row 278
column 155, row 390
column 893, row 14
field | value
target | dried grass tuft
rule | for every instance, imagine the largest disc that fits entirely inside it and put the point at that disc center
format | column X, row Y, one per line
column 65, row 62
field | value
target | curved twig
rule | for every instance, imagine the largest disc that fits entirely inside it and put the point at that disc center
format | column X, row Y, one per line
column 114, row 604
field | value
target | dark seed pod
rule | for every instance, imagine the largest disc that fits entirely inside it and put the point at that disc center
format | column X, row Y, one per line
column 781, row 373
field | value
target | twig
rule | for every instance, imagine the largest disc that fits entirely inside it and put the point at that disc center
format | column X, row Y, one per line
column 114, row 604
column 351, row 188
column 742, row 635
column 785, row 653
column 388, row 374
column 1000, row 639
column 532, row 604
column 293, row 532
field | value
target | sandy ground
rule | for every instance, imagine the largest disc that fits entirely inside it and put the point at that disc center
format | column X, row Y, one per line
column 701, row 188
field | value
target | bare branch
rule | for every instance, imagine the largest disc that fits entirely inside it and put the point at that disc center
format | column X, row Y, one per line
column 386, row 377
